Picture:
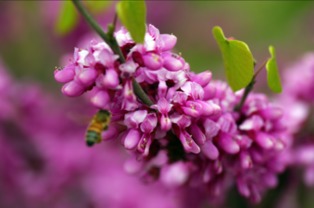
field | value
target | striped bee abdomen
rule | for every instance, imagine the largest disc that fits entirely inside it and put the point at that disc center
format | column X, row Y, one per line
column 92, row 137
column 99, row 123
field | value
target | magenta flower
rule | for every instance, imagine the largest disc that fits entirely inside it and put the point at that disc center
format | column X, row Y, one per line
column 298, row 102
column 264, row 141
column 247, row 148
column 191, row 135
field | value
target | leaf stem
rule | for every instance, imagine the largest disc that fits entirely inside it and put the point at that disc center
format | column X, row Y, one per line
column 249, row 88
column 260, row 68
column 247, row 91
column 112, row 42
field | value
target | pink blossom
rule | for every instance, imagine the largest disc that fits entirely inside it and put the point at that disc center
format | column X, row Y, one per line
column 192, row 129
column 297, row 100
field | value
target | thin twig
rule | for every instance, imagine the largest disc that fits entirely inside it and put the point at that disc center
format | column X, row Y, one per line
column 112, row 42
column 247, row 91
column 91, row 21
column 260, row 68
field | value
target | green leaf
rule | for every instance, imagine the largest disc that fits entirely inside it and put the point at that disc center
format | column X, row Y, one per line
column 133, row 16
column 238, row 60
column 273, row 77
column 67, row 19
column 97, row 7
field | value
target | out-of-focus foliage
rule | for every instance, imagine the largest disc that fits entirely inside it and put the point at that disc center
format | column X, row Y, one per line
column 67, row 19
column 97, row 7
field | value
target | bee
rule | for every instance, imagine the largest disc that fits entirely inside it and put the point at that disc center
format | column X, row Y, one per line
column 99, row 122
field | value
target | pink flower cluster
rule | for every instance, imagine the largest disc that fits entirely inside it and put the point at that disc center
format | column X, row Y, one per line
column 298, row 100
column 191, row 134
column 262, row 143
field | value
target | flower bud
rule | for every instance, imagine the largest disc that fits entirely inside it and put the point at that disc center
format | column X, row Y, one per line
column 209, row 91
column 211, row 128
column 87, row 76
column 245, row 160
column 209, row 108
column 66, row 74
column 152, row 61
column 72, row 89
column 100, row 99
column 243, row 187
column 109, row 80
column 131, row 139
column 228, row 144
column 202, row 78
column 197, row 134
column 264, row 140
column 253, row 123
column 210, row 150
column 173, row 62
column 174, row 175
column 167, row 42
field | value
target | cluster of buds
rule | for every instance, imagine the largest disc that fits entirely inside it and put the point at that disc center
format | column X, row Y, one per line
column 190, row 134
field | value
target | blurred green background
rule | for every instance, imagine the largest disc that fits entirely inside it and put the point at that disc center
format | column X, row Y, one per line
column 31, row 48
